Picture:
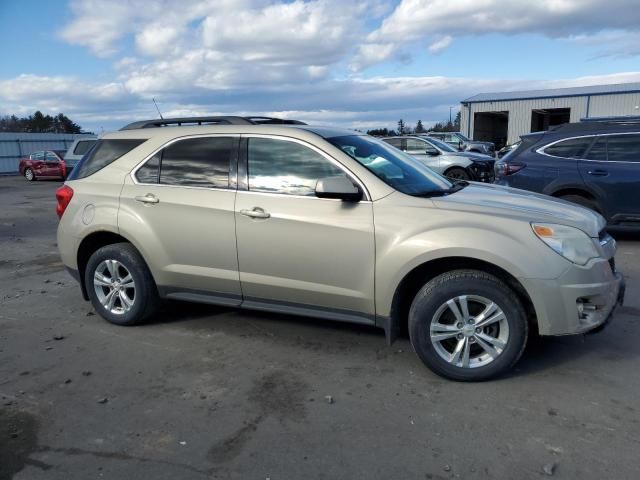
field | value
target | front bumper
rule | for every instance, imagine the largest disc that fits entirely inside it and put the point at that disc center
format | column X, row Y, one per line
column 598, row 287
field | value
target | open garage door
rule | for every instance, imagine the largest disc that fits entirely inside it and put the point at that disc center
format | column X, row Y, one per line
column 542, row 120
column 491, row 127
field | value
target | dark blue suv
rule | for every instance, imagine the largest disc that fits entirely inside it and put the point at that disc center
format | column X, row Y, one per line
column 595, row 164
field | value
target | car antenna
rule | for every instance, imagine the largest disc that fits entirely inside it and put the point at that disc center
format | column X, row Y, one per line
column 159, row 113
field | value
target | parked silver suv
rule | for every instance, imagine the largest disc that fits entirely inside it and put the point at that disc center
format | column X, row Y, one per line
column 335, row 224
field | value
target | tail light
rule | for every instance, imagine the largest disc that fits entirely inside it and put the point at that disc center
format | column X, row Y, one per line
column 64, row 194
column 504, row 169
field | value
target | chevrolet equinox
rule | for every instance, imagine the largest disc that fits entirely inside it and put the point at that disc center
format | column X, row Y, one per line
column 274, row 215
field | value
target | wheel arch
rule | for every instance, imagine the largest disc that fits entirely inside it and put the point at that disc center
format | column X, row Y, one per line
column 89, row 245
column 415, row 279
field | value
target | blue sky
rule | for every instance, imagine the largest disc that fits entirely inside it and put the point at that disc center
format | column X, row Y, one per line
column 361, row 64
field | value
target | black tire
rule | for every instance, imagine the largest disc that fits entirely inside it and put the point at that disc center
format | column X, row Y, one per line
column 145, row 298
column 433, row 297
column 583, row 201
column 29, row 174
column 458, row 173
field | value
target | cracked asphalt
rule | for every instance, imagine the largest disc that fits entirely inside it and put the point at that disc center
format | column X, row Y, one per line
column 205, row 392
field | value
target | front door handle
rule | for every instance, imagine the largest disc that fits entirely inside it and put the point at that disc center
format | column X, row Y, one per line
column 598, row 173
column 148, row 198
column 255, row 212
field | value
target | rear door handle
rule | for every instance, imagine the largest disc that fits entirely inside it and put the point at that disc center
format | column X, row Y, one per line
column 255, row 212
column 598, row 173
column 148, row 198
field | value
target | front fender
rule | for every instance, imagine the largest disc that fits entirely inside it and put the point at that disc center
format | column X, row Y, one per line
column 506, row 243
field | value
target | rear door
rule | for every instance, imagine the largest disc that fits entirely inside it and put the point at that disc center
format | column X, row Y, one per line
column 612, row 168
column 52, row 165
column 39, row 165
column 179, row 206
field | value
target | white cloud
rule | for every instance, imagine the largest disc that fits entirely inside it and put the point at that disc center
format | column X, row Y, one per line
column 415, row 20
column 440, row 44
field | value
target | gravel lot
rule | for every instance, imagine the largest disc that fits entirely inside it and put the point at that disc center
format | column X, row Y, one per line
column 205, row 392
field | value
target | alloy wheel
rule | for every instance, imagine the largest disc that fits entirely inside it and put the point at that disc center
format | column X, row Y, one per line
column 469, row 331
column 114, row 286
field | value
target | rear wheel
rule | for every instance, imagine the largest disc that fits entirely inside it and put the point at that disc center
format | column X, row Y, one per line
column 458, row 174
column 120, row 285
column 29, row 175
column 584, row 201
column 467, row 325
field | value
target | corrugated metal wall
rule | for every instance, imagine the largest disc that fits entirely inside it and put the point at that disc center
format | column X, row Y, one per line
column 614, row 105
column 14, row 146
column 581, row 107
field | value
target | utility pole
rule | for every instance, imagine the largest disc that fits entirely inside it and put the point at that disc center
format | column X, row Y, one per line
column 450, row 122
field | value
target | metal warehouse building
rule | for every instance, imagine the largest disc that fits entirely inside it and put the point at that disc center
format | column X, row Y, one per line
column 14, row 146
column 502, row 117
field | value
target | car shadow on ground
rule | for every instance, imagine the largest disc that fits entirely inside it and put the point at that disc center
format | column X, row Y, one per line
column 542, row 353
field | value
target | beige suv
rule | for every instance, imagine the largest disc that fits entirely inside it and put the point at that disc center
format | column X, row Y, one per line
column 330, row 223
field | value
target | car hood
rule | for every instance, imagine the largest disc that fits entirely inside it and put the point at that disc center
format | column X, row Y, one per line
column 528, row 206
column 471, row 155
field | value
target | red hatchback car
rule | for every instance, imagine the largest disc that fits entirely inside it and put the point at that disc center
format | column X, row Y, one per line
column 46, row 164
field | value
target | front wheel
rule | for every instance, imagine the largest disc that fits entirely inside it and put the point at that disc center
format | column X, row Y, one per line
column 467, row 325
column 29, row 175
column 458, row 174
column 120, row 285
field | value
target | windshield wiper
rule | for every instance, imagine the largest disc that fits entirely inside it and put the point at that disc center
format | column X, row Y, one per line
column 456, row 187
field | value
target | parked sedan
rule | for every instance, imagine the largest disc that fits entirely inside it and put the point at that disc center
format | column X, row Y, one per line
column 444, row 159
column 45, row 164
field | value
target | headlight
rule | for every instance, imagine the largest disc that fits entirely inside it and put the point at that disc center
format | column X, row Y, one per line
column 572, row 243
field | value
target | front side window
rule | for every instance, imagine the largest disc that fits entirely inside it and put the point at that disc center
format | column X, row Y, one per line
column 104, row 153
column 442, row 145
column 396, row 142
column 415, row 146
column 624, row 148
column 279, row 166
column 397, row 169
column 37, row 156
column 571, row 148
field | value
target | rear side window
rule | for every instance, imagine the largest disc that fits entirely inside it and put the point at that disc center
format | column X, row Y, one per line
column 279, row 166
column 83, row 147
column 195, row 162
column 572, row 148
column 599, row 150
column 624, row 148
column 104, row 153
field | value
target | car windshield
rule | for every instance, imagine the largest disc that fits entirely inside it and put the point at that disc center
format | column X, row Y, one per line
column 441, row 145
column 392, row 166
column 61, row 153
column 462, row 137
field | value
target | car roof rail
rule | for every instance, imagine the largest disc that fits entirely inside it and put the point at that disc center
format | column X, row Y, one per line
column 218, row 120
column 598, row 124
column 624, row 120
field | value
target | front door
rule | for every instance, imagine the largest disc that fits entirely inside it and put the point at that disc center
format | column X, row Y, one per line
column 425, row 152
column 611, row 168
column 295, row 249
column 179, row 204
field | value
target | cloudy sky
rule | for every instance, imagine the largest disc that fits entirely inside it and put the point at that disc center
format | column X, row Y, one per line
column 355, row 63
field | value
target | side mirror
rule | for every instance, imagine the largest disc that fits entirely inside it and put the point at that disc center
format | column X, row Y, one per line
column 432, row 153
column 460, row 145
column 338, row 187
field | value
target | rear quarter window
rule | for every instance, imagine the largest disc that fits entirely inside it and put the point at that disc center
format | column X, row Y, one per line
column 103, row 153
column 83, row 147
